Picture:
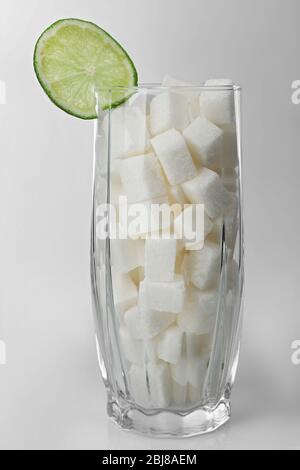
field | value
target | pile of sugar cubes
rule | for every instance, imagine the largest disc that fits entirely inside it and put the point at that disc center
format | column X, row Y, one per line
column 178, row 147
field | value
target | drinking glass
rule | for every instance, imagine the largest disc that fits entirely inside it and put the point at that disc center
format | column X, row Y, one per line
column 168, row 301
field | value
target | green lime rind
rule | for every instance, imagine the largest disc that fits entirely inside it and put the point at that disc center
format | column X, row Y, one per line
column 73, row 58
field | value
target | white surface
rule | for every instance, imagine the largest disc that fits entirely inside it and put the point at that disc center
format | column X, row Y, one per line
column 51, row 395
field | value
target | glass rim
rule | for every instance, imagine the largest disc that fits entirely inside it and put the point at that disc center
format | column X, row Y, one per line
column 158, row 86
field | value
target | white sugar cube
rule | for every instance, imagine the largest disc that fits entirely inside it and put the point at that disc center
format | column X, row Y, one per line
column 154, row 322
column 192, row 226
column 126, row 254
column 160, row 257
column 204, row 140
column 138, row 134
column 199, row 312
column 160, row 384
column 133, row 322
column 168, row 110
column 180, row 372
column 139, row 100
column 124, row 291
column 150, row 349
column 204, row 265
column 218, row 105
column 133, row 349
column 142, row 178
column 174, row 156
column 169, row 345
column 146, row 324
column 165, row 296
column 129, row 134
column 138, row 384
column 207, row 189
column 177, row 195
column 185, row 89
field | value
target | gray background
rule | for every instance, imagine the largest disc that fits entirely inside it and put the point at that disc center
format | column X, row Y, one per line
column 51, row 395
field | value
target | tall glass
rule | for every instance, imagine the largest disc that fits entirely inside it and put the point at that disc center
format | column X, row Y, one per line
column 167, row 255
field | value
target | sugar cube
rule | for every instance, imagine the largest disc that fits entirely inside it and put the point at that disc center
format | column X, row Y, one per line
column 165, row 296
column 168, row 110
column 204, row 265
column 199, row 312
column 177, row 195
column 126, row 254
column 204, row 141
column 154, row 322
column 124, row 291
column 142, row 178
column 133, row 349
column 139, row 100
column 160, row 385
column 160, row 257
column 185, row 89
column 180, row 372
column 150, row 349
column 133, row 322
column 147, row 324
column 174, row 156
column 138, row 135
column 169, row 346
column 207, row 189
column 218, row 105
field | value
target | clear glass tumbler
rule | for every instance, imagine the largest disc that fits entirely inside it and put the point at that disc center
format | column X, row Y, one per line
column 167, row 255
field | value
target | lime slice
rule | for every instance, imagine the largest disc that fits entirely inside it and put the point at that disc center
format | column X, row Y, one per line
column 73, row 58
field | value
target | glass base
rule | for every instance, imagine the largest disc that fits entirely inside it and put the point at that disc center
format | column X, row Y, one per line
column 170, row 423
